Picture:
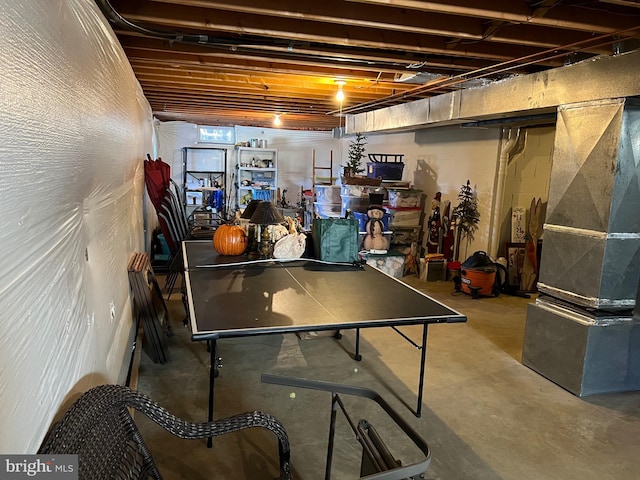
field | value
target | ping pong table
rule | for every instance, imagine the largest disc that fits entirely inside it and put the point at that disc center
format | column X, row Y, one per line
column 233, row 297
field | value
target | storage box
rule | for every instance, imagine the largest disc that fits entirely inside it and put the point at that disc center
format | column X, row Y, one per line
column 326, row 210
column 194, row 198
column 385, row 170
column 404, row 198
column 359, row 190
column 404, row 217
column 327, row 193
column 432, row 270
column 405, row 236
column 354, row 204
column 391, row 263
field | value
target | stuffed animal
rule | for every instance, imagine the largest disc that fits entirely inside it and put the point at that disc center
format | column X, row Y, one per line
column 374, row 238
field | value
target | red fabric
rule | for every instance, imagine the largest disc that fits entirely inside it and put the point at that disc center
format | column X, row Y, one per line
column 157, row 177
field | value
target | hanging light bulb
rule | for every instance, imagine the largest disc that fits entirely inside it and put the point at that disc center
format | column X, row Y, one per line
column 276, row 120
column 340, row 94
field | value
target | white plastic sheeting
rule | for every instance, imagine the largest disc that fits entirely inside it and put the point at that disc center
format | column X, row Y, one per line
column 74, row 129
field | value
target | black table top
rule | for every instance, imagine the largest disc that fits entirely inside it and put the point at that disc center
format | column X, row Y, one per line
column 229, row 297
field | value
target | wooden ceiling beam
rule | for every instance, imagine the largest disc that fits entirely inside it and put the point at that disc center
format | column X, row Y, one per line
column 258, row 83
column 326, row 103
column 518, row 11
column 270, row 61
column 264, row 78
column 231, row 118
column 387, row 16
column 211, row 22
column 241, row 61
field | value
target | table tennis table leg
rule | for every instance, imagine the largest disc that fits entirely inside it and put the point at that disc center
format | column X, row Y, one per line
column 423, row 359
column 213, row 373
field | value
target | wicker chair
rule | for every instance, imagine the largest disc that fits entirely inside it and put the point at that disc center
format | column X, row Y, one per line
column 100, row 430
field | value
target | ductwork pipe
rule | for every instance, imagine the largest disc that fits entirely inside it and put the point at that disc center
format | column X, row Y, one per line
column 513, row 142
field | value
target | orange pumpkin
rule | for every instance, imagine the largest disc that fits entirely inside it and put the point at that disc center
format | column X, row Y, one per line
column 230, row 240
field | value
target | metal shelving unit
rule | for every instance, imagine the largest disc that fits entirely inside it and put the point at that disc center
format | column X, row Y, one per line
column 257, row 176
column 204, row 175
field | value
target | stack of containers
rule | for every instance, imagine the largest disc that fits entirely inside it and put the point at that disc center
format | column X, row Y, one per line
column 355, row 198
column 327, row 202
column 404, row 208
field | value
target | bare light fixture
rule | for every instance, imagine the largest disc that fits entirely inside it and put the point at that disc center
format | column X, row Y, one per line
column 340, row 94
column 276, row 120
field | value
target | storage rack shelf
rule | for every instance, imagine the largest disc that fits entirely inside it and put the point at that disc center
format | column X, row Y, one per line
column 257, row 175
column 204, row 175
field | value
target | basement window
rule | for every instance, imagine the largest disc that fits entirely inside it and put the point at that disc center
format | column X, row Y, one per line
column 211, row 134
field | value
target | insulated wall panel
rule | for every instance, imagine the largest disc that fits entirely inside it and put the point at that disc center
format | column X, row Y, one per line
column 74, row 130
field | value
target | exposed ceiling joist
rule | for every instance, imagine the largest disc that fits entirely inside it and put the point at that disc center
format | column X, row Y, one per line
column 203, row 60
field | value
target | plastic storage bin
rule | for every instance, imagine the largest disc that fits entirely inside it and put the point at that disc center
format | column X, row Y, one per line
column 327, row 193
column 385, row 170
column 326, row 210
column 404, row 198
column 405, row 237
column 391, row 263
column 360, row 190
column 404, row 217
column 354, row 204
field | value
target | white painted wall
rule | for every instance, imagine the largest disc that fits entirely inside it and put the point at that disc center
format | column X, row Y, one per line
column 442, row 160
column 528, row 176
column 436, row 160
column 74, row 129
column 295, row 152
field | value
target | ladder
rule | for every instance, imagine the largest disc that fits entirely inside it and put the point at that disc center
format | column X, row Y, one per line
column 322, row 179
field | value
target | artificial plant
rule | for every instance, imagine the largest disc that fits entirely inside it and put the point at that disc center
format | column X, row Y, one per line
column 466, row 217
column 356, row 154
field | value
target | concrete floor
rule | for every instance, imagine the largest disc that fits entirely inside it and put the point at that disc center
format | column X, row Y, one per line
column 485, row 415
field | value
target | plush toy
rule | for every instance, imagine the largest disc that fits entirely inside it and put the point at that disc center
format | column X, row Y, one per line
column 375, row 239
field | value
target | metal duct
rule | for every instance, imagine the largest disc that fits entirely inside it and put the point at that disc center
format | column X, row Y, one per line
column 591, row 254
column 581, row 351
column 591, row 250
column 538, row 93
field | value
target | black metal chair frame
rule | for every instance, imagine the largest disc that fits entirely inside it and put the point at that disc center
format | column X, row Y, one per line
column 377, row 461
column 100, row 429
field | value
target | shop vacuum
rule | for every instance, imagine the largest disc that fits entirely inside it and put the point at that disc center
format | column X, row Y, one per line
column 480, row 276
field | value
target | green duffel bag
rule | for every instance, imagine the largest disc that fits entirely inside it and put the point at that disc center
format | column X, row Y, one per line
column 336, row 239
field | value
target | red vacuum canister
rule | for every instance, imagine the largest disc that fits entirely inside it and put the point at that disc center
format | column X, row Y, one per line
column 478, row 275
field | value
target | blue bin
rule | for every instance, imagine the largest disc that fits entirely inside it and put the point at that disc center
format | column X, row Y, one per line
column 363, row 219
column 385, row 170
